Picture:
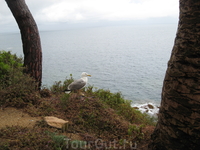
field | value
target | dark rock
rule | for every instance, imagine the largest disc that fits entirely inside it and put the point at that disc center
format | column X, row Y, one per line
column 135, row 107
column 150, row 106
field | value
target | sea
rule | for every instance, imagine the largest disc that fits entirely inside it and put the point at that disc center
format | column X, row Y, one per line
column 131, row 59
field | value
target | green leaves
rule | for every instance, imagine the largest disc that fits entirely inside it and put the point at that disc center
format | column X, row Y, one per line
column 16, row 88
column 8, row 64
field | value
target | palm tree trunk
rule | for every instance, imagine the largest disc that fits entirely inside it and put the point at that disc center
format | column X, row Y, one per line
column 30, row 38
column 178, row 126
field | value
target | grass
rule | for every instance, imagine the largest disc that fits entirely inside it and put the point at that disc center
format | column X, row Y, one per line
column 99, row 114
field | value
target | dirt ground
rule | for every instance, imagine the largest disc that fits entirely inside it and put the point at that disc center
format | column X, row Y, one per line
column 11, row 117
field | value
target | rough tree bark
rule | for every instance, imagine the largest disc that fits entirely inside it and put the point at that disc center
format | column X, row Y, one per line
column 178, row 126
column 30, row 38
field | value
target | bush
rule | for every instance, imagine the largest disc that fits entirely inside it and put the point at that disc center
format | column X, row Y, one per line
column 122, row 107
column 17, row 137
column 59, row 87
column 16, row 88
column 8, row 64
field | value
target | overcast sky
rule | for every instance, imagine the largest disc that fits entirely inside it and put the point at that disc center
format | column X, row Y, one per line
column 54, row 12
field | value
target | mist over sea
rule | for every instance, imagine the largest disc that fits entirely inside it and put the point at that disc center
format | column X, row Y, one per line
column 130, row 59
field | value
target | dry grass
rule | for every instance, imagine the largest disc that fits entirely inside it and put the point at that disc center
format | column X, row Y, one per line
column 90, row 118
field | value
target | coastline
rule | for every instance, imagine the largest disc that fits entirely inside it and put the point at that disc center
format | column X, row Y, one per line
column 148, row 108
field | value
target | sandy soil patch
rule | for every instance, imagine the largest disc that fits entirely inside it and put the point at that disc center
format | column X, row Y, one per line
column 11, row 117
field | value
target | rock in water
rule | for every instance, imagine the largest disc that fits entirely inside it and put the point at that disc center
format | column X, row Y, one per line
column 150, row 106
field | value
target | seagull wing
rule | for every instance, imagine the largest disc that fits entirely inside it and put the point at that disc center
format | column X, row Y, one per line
column 77, row 84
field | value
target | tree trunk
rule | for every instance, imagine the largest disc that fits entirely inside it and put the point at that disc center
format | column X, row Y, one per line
column 30, row 38
column 178, row 126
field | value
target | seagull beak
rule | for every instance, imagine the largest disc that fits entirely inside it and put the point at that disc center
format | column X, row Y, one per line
column 89, row 75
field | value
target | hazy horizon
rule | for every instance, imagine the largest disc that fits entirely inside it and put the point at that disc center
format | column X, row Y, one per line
column 13, row 28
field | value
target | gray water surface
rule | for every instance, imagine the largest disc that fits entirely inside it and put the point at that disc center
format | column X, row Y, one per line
column 129, row 59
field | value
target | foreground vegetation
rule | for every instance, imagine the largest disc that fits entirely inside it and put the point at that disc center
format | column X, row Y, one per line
column 97, row 118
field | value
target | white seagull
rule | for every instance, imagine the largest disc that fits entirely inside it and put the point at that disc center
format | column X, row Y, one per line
column 80, row 83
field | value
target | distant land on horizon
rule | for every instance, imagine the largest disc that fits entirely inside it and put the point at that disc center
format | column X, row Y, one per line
column 84, row 24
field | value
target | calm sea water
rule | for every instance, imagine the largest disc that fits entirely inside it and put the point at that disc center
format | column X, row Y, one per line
column 129, row 59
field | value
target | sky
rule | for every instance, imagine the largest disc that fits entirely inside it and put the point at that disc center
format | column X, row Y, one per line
column 52, row 14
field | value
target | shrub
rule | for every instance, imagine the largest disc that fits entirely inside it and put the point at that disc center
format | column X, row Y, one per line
column 45, row 93
column 8, row 64
column 17, row 137
column 16, row 88
column 59, row 140
column 59, row 87
column 122, row 107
